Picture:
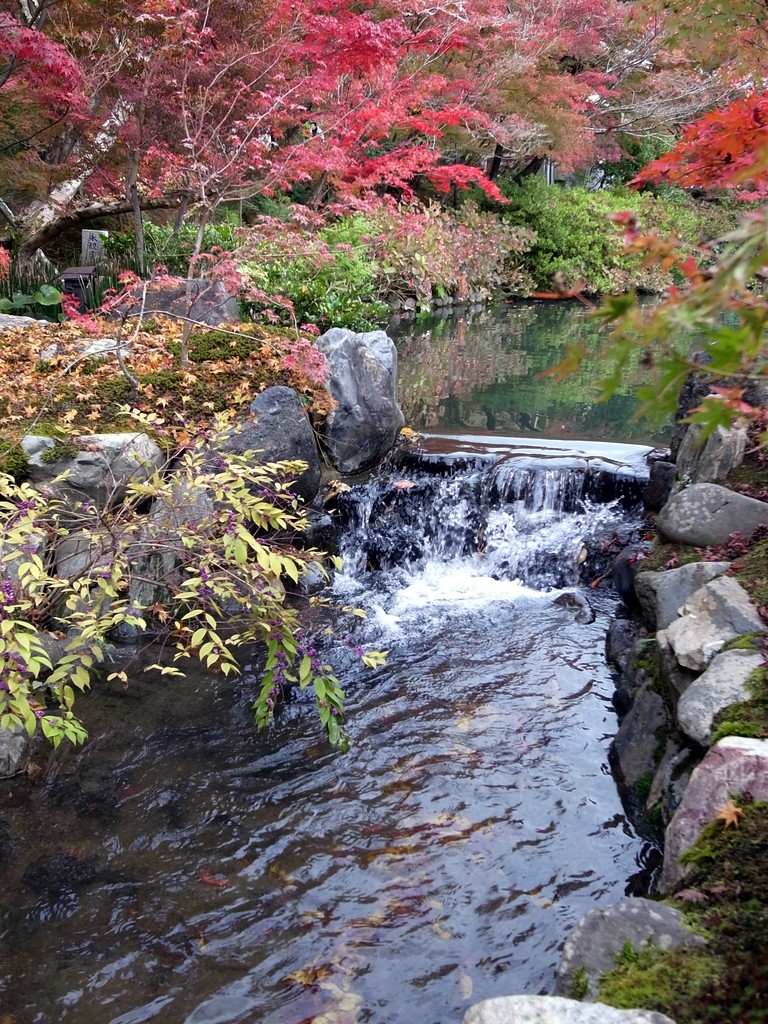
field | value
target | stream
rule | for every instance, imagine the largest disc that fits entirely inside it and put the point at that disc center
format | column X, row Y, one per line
column 183, row 869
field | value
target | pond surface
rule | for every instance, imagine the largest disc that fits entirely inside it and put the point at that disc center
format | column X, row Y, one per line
column 481, row 371
column 183, row 869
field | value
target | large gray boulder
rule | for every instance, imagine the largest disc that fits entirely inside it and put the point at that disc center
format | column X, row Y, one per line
column 204, row 301
column 723, row 683
column 733, row 766
column 99, row 472
column 662, row 594
column 705, row 515
column 279, row 431
column 716, row 613
column 555, row 1010
column 594, row 944
column 362, row 427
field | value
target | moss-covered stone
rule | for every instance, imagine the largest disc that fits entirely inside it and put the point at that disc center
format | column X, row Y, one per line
column 14, row 461
column 751, row 570
column 670, row 556
column 726, row 899
column 61, row 451
column 747, row 718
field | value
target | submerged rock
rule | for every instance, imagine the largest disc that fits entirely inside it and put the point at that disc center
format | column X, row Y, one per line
column 555, row 1010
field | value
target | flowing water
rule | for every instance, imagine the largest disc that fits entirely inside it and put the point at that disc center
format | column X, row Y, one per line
column 185, row 870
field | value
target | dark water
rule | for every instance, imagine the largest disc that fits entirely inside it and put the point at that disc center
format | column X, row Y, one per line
column 183, row 869
column 481, row 372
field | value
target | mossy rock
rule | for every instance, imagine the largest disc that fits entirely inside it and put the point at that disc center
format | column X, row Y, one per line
column 14, row 461
column 749, row 717
column 751, row 570
column 670, row 556
column 60, row 452
column 726, row 899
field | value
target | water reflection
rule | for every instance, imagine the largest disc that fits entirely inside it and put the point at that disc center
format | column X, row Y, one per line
column 480, row 371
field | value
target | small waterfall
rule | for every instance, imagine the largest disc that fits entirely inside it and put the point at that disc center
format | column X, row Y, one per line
column 544, row 517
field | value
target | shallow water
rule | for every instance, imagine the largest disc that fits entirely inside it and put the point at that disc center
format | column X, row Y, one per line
column 182, row 868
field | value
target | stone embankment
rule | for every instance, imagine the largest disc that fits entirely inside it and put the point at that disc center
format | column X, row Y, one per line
column 688, row 652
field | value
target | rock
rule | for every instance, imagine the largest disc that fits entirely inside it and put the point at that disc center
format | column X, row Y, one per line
column 101, row 471
column 618, row 643
column 733, row 766
column 711, row 462
column 705, row 515
column 659, row 487
column 662, row 594
column 8, row 322
column 279, row 431
column 362, row 428
column 555, row 1010
column 636, row 748
column 208, row 303
column 624, row 569
column 715, row 613
column 593, row 944
column 14, row 751
column 79, row 555
column 723, row 683
column 696, row 388
column 12, row 557
column 98, row 348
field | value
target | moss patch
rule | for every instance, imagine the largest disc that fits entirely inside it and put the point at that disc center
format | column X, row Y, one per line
column 726, row 898
column 61, row 451
column 670, row 556
column 751, row 570
column 749, row 717
column 14, row 461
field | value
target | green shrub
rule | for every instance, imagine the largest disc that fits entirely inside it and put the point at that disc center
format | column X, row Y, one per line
column 329, row 279
column 576, row 241
column 165, row 247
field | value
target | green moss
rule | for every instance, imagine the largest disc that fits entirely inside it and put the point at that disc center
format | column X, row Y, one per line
column 745, row 642
column 218, row 345
column 643, row 786
column 61, row 451
column 14, row 461
column 749, row 717
column 669, row 556
column 751, row 571
column 726, row 980
column 579, row 983
column 651, row 979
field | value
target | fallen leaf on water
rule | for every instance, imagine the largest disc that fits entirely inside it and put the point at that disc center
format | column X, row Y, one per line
column 308, row 975
column 218, row 880
column 465, row 985
column 729, row 813
column 440, row 931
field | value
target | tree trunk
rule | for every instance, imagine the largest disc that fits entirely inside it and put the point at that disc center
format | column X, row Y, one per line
column 187, row 328
column 498, row 156
column 50, row 221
